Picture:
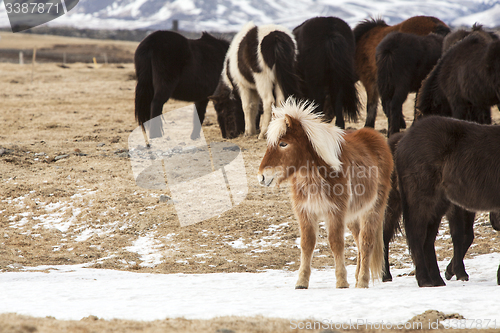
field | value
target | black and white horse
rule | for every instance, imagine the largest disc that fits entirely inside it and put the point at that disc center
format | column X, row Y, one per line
column 259, row 66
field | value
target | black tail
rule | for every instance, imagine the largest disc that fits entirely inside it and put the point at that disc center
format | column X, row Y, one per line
column 278, row 49
column 144, row 90
column 431, row 99
column 385, row 71
column 343, row 74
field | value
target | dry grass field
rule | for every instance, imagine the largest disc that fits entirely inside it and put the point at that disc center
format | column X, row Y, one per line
column 68, row 195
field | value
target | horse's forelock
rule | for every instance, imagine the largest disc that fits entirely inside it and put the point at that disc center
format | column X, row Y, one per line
column 325, row 138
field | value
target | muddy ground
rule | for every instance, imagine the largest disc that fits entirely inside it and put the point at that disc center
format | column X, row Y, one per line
column 68, row 194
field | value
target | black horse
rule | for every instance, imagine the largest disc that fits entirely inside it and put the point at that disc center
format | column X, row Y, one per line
column 462, row 235
column 325, row 63
column 465, row 82
column 403, row 61
column 446, row 166
column 168, row 65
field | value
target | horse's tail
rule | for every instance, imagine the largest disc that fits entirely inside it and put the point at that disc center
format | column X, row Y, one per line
column 385, row 57
column 144, row 90
column 343, row 73
column 279, row 50
column 431, row 99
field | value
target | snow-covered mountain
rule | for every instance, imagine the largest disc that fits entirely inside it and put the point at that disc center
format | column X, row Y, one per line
column 231, row 15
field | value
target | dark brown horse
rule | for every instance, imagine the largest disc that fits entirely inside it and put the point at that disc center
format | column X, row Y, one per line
column 465, row 83
column 325, row 63
column 462, row 235
column 446, row 166
column 368, row 34
column 403, row 61
column 168, row 65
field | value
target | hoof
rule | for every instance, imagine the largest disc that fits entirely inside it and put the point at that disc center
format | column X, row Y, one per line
column 447, row 275
column 300, row 287
column 463, row 278
column 387, row 278
column 342, row 285
column 430, row 284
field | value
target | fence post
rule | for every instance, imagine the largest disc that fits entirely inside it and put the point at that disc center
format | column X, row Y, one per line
column 33, row 64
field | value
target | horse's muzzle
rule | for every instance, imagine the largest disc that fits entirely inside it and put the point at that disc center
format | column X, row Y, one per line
column 264, row 181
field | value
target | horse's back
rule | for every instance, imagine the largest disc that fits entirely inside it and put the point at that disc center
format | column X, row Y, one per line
column 371, row 148
column 168, row 44
column 453, row 157
column 422, row 25
column 406, row 59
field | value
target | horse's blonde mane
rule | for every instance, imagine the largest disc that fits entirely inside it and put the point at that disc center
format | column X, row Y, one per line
column 325, row 138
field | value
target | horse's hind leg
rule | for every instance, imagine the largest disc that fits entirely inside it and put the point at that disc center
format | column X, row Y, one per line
column 338, row 109
column 308, row 233
column 416, row 221
column 462, row 234
column 163, row 91
column 250, row 103
column 396, row 110
column 198, row 117
column 391, row 223
column 335, row 228
column 371, row 105
column 354, row 227
column 371, row 245
column 268, row 100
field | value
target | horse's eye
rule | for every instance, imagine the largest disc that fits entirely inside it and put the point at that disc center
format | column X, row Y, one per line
column 283, row 144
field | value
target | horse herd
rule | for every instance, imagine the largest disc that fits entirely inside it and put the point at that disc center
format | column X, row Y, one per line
column 292, row 84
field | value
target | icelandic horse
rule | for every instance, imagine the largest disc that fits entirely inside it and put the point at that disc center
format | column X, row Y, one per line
column 368, row 34
column 341, row 177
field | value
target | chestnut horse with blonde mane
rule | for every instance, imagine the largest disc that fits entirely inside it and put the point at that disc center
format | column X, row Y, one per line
column 343, row 178
column 368, row 34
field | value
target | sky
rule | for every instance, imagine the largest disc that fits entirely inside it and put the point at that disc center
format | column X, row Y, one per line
column 74, row 292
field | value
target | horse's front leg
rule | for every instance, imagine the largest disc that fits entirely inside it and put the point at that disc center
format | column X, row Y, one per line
column 198, row 117
column 335, row 227
column 308, row 233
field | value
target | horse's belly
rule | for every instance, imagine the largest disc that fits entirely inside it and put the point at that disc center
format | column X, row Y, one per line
column 360, row 207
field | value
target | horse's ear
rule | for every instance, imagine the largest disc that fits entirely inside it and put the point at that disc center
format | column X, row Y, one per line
column 288, row 121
